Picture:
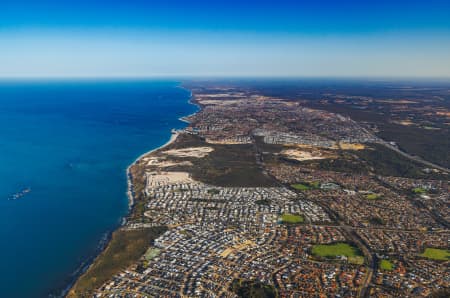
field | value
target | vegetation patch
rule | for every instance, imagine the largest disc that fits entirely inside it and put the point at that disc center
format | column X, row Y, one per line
column 357, row 260
column 373, row 196
column 386, row 265
column 152, row 253
column 124, row 249
column 264, row 202
column 419, row 190
column 376, row 159
column 336, row 250
column 186, row 233
column 252, row 289
column 292, row 219
column 386, row 162
column 213, row 191
column 226, row 165
column 436, row 254
column 375, row 220
column 300, row 186
column 441, row 293
column 306, row 185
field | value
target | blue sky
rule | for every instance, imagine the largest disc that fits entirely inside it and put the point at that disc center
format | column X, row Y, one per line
column 227, row 38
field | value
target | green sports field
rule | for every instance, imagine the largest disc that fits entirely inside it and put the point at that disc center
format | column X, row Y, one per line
column 436, row 254
column 386, row 265
column 338, row 249
column 419, row 190
column 373, row 196
column 306, row 185
column 292, row 218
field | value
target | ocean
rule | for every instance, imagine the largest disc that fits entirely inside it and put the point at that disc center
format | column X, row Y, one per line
column 64, row 150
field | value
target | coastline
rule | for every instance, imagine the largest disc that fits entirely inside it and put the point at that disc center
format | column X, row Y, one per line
column 84, row 266
column 173, row 137
column 130, row 188
column 104, row 242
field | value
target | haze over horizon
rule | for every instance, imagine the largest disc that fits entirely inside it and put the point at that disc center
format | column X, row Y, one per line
column 256, row 38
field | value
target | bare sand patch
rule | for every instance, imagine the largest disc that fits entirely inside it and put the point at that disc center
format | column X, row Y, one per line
column 227, row 142
column 400, row 101
column 167, row 164
column 302, row 155
column 351, row 146
column 404, row 122
column 207, row 102
column 164, row 178
column 237, row 248
column 238, row 94
column 163, row 163
column 197, row 152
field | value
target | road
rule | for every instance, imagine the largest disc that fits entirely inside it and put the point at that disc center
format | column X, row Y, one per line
column 350, row 234
column 415, row 158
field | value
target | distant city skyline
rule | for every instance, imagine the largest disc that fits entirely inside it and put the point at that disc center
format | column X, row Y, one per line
column 258, row 38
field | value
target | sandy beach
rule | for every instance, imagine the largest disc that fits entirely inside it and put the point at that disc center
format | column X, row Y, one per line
column 173, row 137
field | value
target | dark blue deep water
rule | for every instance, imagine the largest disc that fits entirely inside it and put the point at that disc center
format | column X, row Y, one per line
column 70, row 143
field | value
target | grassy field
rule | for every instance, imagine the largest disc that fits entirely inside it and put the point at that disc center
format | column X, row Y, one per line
column 306, row 185
column 292, row 218
column 386, row 265
column 338, row 249
column 124, row 249
column 300, row 186
column 373, row 196
column 436, row 254
column 419, row 190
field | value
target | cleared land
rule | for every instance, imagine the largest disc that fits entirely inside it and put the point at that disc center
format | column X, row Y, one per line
column 196, row 152
column 436, row 254
column 301, row 155
column 351, row 146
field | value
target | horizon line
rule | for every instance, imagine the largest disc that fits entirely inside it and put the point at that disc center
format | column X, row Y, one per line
column 215, row 76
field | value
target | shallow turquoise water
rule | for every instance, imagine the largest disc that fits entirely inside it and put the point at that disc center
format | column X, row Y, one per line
column 70, row 142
